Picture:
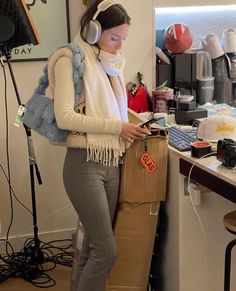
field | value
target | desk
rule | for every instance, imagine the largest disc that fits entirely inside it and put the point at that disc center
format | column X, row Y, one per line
column 210, row 173
column 194, row 255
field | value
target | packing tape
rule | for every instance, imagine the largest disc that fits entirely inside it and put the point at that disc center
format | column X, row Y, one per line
column 200, row 149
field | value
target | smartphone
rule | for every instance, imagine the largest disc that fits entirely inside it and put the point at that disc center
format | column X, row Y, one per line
column 146, row 123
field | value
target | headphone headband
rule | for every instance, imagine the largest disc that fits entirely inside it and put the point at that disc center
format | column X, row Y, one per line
column 104, row 5
column 93, row 30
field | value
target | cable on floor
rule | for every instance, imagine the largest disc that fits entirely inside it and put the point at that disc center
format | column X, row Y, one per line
column 34, row 260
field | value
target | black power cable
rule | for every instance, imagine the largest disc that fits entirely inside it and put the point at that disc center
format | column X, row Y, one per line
column 7, row 154
column 33, row 270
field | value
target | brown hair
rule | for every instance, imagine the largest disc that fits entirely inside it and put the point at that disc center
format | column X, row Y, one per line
column 113, row 16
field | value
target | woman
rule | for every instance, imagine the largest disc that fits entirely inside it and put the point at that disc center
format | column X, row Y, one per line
column 99, row 132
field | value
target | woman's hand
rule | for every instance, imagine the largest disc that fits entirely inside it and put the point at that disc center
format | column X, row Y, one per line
column 130, row 132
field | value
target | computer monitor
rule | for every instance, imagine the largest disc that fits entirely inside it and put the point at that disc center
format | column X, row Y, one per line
column 21, row 29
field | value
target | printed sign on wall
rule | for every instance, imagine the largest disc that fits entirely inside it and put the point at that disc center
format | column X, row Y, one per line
column 51, row 20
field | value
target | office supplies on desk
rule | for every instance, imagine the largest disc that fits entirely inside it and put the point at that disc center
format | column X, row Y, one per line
column 181, row 139
column 200, row 149
column 189, row 116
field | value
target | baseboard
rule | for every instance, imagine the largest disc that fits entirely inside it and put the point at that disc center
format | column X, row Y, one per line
column 18, row 241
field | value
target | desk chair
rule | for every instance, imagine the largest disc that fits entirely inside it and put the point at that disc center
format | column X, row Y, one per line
column 230, row 225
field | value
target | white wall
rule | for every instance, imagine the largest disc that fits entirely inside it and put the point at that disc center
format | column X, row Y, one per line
column 51, row 196
column 139, row 47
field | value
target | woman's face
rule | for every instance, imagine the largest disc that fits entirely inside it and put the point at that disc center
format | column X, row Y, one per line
column 111, row 40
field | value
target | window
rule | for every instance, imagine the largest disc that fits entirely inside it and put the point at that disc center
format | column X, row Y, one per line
column 202, row 20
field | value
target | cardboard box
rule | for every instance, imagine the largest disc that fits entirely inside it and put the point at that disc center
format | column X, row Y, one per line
column 135, row 117
column 137, row 208
column 135, row 230
column 137, row 184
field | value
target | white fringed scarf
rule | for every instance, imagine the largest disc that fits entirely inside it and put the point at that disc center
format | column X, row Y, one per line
column 105, row 97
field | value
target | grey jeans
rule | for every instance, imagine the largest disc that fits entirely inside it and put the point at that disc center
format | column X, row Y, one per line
column 93, row 190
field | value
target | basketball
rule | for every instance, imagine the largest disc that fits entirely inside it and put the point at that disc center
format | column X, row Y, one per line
column 177, row 38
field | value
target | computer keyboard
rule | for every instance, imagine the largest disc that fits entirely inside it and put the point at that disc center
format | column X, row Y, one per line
column 181, row 139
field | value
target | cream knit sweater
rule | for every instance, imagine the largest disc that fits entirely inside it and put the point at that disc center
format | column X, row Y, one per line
column 60, row 72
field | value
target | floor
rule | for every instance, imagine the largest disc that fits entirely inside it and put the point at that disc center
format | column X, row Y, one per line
column 61, row 274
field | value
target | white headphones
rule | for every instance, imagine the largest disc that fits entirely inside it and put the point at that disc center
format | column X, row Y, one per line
column 92, row 31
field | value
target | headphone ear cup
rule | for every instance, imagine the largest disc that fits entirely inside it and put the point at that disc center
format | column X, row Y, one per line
column 92, row 31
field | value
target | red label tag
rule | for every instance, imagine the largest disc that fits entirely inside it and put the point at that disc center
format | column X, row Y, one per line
column 148, row 163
